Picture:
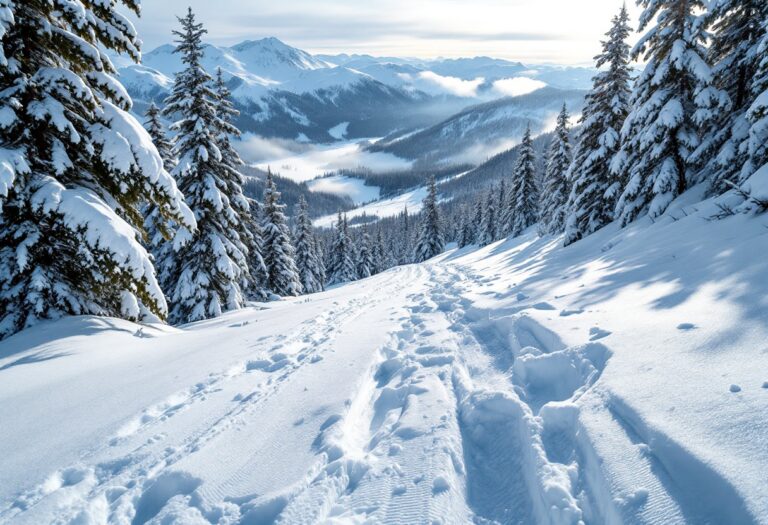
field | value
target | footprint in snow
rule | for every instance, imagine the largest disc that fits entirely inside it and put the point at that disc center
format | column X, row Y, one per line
column 686, row 326
column 596, row 333
column 543, row 306
column 567, row 312
column 735, row 389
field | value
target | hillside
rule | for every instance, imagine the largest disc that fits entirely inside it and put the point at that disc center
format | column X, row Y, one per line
column 616, row 380
column 481, row 131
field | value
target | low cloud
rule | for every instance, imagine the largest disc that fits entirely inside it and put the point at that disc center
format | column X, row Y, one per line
column 513, row 87
column 435, row 84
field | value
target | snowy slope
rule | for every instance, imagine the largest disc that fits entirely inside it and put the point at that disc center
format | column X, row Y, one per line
column 620, row 380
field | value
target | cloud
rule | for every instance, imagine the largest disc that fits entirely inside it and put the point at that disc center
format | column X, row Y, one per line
column 513, row 87
column 431, row 82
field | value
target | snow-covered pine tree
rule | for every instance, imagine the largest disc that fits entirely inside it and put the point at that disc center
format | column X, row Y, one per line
column 160, row 138
column 307, row 261
column 488, row 225
column 255, row 281
column 158, row 230
column 523, row 192
column 738, row 27
column 405, row 254
column 205, row 275
column 466, row 231
column 673, row 99
column 594, row 189
column 755, row 172
column 78, row 170
column 365, row 264
column 556, row 186
column 379, row 252
column 282, row 274
column 256, row 287
column 477, row 218
column 341, row 266
column 430, row 240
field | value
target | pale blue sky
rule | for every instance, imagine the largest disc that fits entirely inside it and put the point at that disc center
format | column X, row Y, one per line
column 561, row 31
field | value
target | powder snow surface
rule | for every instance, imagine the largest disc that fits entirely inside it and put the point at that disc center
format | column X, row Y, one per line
column 619, row 380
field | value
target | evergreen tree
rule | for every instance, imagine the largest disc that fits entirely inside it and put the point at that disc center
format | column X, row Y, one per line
column 159, row 138
column 672, row 100
column 404, row 249
column 255, row 280
column 307, row 260
column 594, row 190
column 738, row 29
column 282, row 274
column 430, row 241
column 477, row 220
column 466, row 232
column 256, row 285
column 556, row 187
column 379, row 253
column 365, row 263
column 205, row 275
column 78, row 170
column 488, row 225
column 158, row 229
column 523, row 193
column 341, row 265
column 754, row 175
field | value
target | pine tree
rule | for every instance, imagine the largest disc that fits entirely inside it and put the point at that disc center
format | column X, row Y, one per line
column 754, row 177
column 466, row 231
column 365, row 263
column 158, row 229
column 255, row 280
column 206, row 274
column 594, row 190
column 159, row 137
column 477, row 220
column 341, row 267
column 307, row 260
column 523, row 193
column 556, row 187
column 430, row 241
column 256, row 285
column 738, row 26
column 488, row 225
column 672, row 100
column 404, row 251
column 379, row 253
column 78, row 170
column 283, row 276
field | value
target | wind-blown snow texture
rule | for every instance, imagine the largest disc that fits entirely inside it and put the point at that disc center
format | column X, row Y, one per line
column 620, row 379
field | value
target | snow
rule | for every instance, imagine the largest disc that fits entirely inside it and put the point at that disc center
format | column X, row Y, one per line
column 382, row 208
column 618, row 380
column 339, row 131
column 352, row 187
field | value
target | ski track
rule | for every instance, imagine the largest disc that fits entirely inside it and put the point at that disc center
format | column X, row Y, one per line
column 464, row 415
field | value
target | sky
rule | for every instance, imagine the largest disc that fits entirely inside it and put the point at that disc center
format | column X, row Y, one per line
column 534, row 31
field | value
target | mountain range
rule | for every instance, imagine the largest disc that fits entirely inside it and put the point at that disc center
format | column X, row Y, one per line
column 287, row 93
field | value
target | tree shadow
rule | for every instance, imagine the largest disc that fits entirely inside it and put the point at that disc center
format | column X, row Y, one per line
column 38, row 357
column 50, row 332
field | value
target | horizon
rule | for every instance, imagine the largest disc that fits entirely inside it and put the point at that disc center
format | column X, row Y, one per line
column 511, row 31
